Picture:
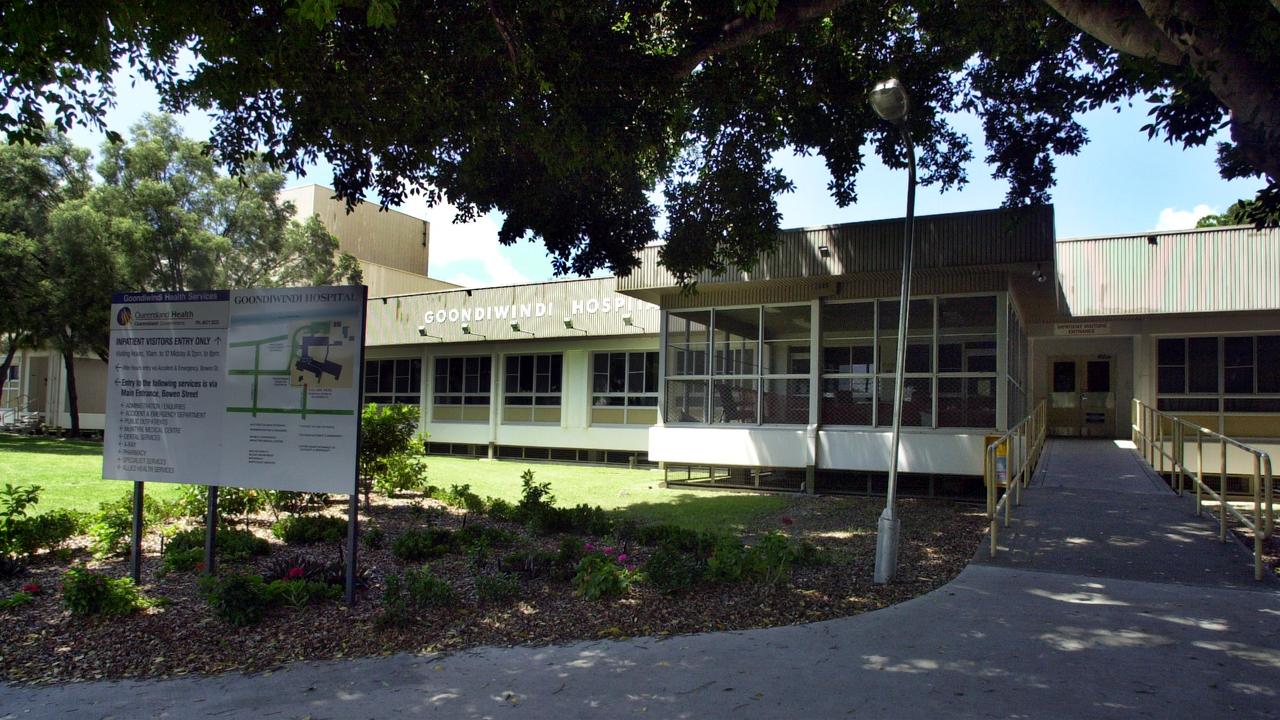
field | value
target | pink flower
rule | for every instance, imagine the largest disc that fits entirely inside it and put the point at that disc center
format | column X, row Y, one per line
column 32, row 588
column 622, row 558
column 610, row 550
column 590, row 547
column 631, row 568
column 786, row 520
column 296, row 573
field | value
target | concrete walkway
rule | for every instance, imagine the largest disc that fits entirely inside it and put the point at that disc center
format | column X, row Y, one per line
column 1113, row 604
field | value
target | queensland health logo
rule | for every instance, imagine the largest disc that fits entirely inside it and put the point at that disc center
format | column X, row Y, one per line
column 124, row 317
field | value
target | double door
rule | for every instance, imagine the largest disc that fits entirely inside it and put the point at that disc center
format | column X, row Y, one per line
column 1082, row 398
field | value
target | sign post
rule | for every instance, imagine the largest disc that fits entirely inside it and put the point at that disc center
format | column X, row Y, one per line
column 240, row 388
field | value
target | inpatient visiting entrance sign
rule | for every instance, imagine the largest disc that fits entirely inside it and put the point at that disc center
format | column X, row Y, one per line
column 242, row 388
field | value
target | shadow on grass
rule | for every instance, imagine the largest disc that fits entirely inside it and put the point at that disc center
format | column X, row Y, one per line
column 48, row 445
column 699, row 512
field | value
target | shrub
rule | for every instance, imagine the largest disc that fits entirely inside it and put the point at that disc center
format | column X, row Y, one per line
column 386, row 431
column 301, row 567
column 479, row 535
column 14, row 501
column 683, row 539
column 289, row 501
column 498, row 587
column 579, row 520
column 770, row 559
column 88, row 593
column 413, row 592
column 306, row 529
column 806, row 554
column 500, row 509
column 239, row 598
column 235, row 505
column 10, row 567
column 181, row 560
column 530, row 563
column 231, row 545
column 374, row 538
column 299, row 592
column 728, row 560
column 45, row 532
column 673, row 571
column 419, row 545
column 401, row 472
column 112, row 526
column 572, row 550
column 598, row 576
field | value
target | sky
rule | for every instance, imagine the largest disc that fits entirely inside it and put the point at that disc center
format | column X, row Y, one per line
column 1121, row 182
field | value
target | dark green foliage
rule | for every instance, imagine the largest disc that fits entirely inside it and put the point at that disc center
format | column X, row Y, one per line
column 537, row 509
column 534, row 496
column 806, row 554
column 239, row 598
column 17, row 599
column 14, row 501
column 10, row 567
column 88, row 593
column 673, row 571
column 300, row 567
column 769, row 560
column 231, row 545
column 599, row 577
column 459, row 496
column 184, row 560
column 500, row 509
column 420, row 545
column 410, row 593
column 46, row 532
column 683, row 539
column 533, row 564
column 480, row 535
column 112, row 525
column 498, row 587
column 388, row 446
column 572, row 550
column 374, row 538
column 728, row 561
column 235, row 505
column 300, row 593
column 287, row 501
column 306, row 529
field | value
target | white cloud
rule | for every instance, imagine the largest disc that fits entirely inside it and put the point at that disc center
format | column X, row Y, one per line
column 1171, row 219
column 471, row 243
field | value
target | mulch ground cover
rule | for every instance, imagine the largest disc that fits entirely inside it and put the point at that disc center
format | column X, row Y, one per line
column 42, row 642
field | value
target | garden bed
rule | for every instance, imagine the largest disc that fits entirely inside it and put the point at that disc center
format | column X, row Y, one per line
column 179, row 634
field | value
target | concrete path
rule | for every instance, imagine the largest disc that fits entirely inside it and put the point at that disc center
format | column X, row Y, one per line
column 1086, row 615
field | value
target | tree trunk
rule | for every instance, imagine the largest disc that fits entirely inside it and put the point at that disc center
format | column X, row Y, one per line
column 73, row 402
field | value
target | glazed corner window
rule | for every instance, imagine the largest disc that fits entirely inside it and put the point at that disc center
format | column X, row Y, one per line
column 531, row 393
column 461, row 392
column 388, row 382
column 624, row 388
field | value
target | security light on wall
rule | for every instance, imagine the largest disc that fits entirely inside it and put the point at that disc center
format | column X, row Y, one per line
column 1039, row 275
column 630, row 322
column 422, row 330
column 515, row 327
column 568, row 325
column 466, row 330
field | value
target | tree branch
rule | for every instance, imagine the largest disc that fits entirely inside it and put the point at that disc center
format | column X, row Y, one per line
column 742, row 31
column 1121, row 25
column 502, row 30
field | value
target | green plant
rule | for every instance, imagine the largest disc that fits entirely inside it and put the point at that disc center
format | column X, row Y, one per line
column 374, row 538
column 385, row 431
column 500, row 509
column 770, row 559
column 673, row 571
column 498, row 587
column 300, row 592
column 598, row 577
column 45, row 532
column 806, row 554
column 112, row 525
column 14, row 501
column 17, row 599
column 530, row 563
column 10, row 566
column 289, row 501
column 231, row 545
column 401, row 472
column 419, row 545
column 727, row 563
column 85, row 592
column 572, row 550
column 481, row 535
column 413, row 591
column 533, row 496
column 181, row 560
column 305, row 529
column 239, row 598
column 684, row 539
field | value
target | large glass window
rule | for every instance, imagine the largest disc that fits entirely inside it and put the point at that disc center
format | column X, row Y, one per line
column 531, row 393
column 461, row 389
column 397, row 381
column 967, row 362
column 758, row 371
column 917, row 388
column 848, row 363
column 624, row 388
column 1223, row 380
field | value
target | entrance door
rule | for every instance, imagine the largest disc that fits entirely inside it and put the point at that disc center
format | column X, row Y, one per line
column 1082, row 402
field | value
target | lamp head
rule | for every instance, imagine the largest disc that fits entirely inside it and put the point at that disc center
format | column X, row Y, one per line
column 568, row 323
column 466, row 328
column 626, row 320
column 515, row 326
column 889, row 100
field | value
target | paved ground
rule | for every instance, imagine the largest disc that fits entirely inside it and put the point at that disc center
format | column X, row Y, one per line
column 1086, row 615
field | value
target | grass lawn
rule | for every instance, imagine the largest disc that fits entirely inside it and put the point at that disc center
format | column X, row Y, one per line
column 70, row 473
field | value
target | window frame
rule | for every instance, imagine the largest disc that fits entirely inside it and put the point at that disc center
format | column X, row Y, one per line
column 466, row 398
column 627, row 406
column 392, row 396
column 554, row 380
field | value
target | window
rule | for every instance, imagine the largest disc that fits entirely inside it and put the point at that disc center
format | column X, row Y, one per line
column 396, row 381
column 848, row 363
column 624, row 388
column 917, row 387
column 532, row 390
column 1236, row 374
column 967, row 362
column 739, row 366
column 461, row 392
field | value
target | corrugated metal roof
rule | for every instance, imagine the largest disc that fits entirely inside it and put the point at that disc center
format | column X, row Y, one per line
column 1208, row 270
column 971, row 239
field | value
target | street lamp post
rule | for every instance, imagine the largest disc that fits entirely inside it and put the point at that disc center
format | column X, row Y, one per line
column 889, row 100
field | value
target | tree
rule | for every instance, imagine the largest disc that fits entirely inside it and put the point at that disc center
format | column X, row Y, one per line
column 565, row 115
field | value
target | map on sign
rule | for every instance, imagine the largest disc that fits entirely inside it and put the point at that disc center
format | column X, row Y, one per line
column 313, row 355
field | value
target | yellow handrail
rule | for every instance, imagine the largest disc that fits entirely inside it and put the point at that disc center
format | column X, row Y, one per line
column 1148, row 434
column 1020, row 447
